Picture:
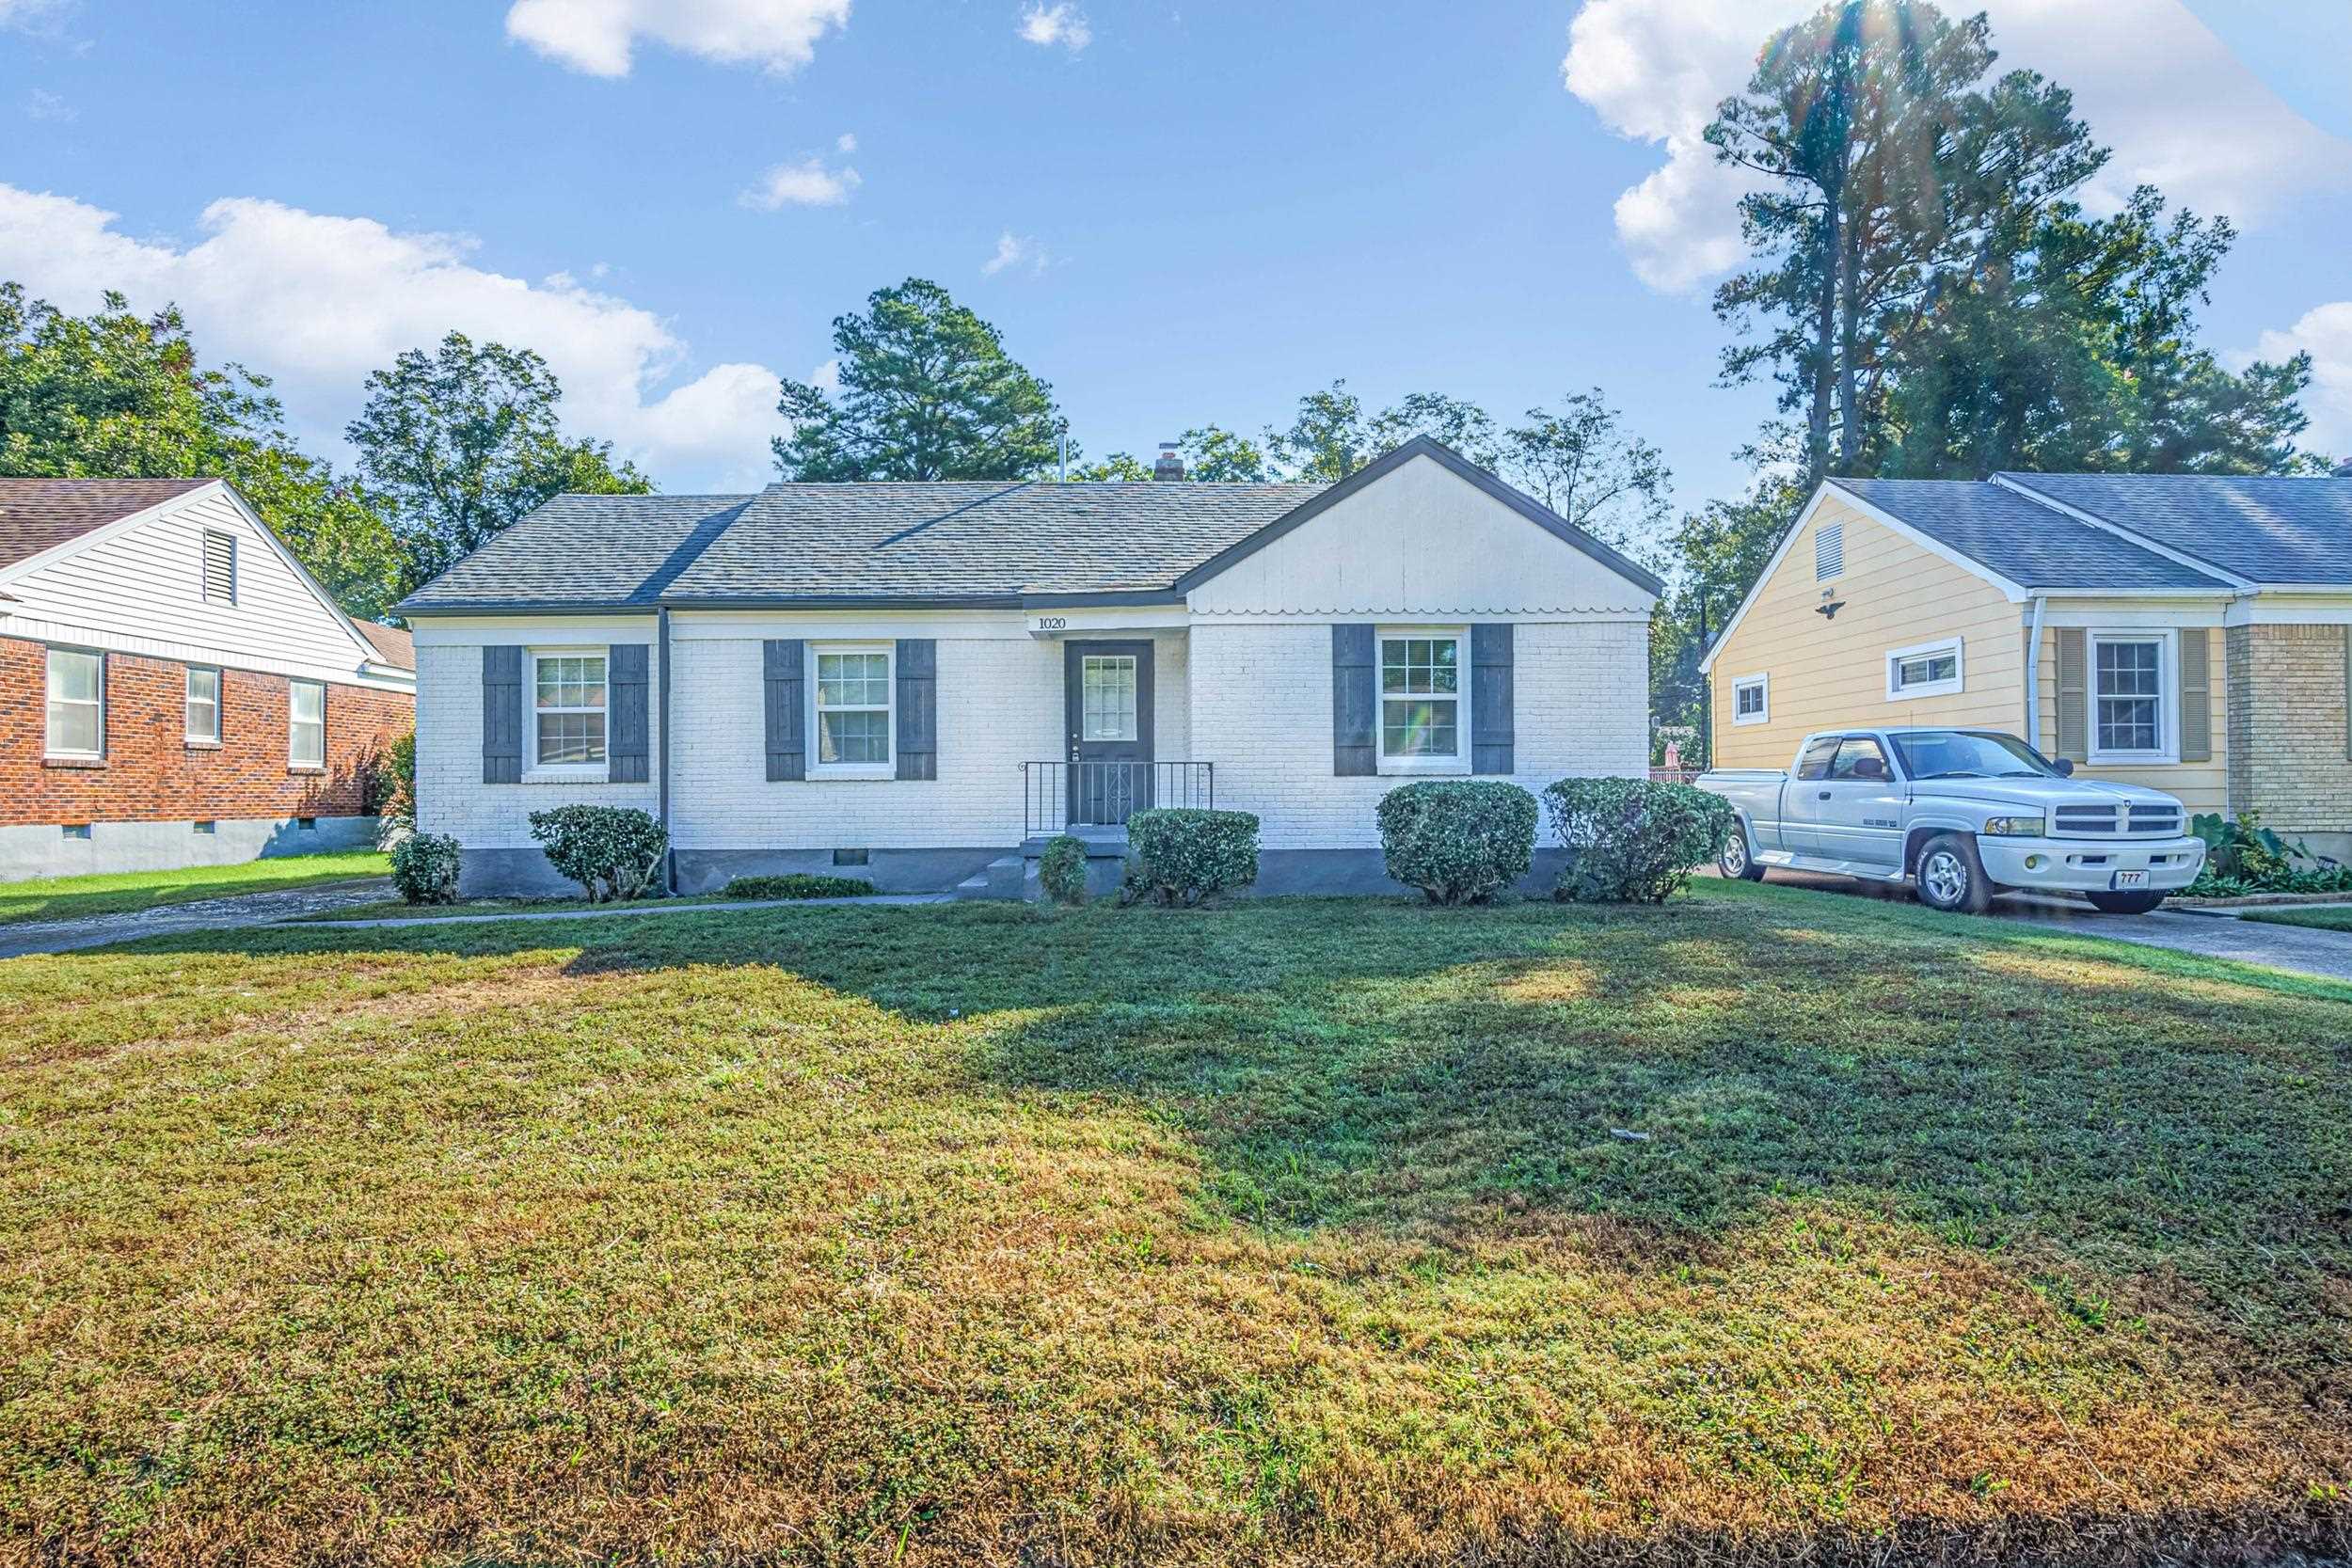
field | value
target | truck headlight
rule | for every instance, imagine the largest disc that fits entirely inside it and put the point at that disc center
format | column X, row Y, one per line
column 2014, row 827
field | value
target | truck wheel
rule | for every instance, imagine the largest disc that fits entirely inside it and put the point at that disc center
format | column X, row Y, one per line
column 1736, row 861
column 1951, row 875
column 2124, row 903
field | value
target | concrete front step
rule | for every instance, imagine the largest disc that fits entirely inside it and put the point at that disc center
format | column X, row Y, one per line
column 1008, row 876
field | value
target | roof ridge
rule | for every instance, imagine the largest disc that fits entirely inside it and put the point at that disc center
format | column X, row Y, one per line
column 914, row 529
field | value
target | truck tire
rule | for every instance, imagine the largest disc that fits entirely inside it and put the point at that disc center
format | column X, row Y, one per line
column 2124, row 903
column 1736, row 858
column 1951, row 875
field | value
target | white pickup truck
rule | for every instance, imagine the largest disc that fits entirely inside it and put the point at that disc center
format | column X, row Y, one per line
column 1967, row 813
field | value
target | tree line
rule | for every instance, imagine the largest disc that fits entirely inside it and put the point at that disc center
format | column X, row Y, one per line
column 1924, row 286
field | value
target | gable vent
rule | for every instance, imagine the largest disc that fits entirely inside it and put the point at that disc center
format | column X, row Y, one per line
column 220, row 567
column 1829, row 551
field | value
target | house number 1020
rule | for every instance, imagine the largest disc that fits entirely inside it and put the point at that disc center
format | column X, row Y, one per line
column 1053, row 623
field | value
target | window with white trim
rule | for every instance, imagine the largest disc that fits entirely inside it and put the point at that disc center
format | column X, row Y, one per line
column 2130, row 690
column 852, row 714
column 567, row 711
column 220, row 567
column 306, row 724
column 1752, row 700
column 1926, row 670
column 1829, row 551
column 203, row 727
column 78, row 704
column 1424, row 725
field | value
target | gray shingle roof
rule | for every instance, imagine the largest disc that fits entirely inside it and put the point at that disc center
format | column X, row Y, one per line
column 393, row 645
column 37, row 514
column 2266, row 529
column 2033, row 545
column 955, row 543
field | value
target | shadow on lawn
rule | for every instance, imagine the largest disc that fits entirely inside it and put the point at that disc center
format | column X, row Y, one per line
column 1411, row 1071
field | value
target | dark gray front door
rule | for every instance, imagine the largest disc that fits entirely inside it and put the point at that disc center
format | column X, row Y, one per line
column 1106, row 694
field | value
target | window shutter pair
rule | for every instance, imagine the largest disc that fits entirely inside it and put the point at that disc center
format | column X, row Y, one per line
column 629, row 748
column 1355, row 700
column 2074, row 694
column 787, row 706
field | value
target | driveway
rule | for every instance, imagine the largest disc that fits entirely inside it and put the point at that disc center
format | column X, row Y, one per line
column 2296, row 948
column 202, row 914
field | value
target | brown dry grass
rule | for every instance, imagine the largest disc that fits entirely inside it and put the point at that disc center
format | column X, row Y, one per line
column 1288, row 1233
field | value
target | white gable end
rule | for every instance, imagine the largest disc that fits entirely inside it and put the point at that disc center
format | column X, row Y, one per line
column 1419, row 541
column 142, row 589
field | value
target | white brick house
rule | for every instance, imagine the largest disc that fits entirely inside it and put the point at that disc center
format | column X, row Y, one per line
column 917, row 680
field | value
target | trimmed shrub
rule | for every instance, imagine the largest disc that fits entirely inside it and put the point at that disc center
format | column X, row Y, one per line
column 425, row 866
column 611, row 852
column 1631, row 840
column 798, row 884
column 1460, row 841
column 1178, row 855
column 1061, row 871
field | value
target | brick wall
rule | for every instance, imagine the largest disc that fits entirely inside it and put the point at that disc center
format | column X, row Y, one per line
column 151, row 774
column 2287, row 719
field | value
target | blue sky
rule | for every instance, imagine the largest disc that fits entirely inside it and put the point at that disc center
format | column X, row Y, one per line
column 1176, row 214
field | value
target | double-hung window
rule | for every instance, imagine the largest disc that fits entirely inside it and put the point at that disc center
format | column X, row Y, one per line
column 1424, row 719
column 2130, row 691
column 306, row 724
column 568, row 713
column 851, row 714
column 1752, row 700
column 1929, row 669
column 203, row 725
column 78, row 704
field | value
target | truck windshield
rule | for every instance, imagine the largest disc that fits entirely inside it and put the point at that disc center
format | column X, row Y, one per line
column 1968, row 754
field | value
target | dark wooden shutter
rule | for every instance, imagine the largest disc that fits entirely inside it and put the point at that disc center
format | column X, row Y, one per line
column 501, row 715
column 787, row 709
column 2196, row 696
column 1355, row 702
column 1491, row 748
column 2347, row 690
column 2073, row 695
column 917, row 746
column 629, row 750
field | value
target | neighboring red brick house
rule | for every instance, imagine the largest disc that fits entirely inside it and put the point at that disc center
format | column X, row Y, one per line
column 175, row 689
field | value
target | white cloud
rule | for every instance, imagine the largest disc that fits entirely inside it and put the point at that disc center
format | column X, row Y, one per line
column 844, row 143
column 2154, row 84
column 1016, row 253
column 2326, row 334
column 318, row 301
column 40, row 104
column 807, row 183
column 600, row 36
column 1063, row 23
column 31, row 14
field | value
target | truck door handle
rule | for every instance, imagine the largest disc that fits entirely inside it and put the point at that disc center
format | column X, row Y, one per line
column 1825, row 795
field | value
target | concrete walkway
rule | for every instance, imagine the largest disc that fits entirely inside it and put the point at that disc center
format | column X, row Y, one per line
column 2297, row 949
column 733, row 906
column 234, row 913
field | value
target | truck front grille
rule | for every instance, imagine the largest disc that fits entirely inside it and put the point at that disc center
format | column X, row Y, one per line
column 2116, row 822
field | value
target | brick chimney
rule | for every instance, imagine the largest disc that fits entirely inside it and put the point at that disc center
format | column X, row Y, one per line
column 1170, row 466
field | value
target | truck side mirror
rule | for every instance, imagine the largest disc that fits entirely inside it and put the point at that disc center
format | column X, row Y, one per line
column 2065, row 766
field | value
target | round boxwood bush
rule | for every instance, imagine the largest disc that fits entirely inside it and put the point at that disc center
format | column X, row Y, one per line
column 611, row 852
column 1061, row 871
column 426, row 868
column 1460, row 841
column 1180, row 855
column 1631, row 840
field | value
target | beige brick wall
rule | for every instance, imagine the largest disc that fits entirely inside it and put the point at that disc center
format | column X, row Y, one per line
column 2287, row 727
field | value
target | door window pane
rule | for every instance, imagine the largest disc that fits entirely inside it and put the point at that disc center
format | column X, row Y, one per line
column 1107, row 688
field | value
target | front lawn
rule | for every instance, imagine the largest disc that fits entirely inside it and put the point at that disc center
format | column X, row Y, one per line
column 2323, row 917
column 1769, row 1226
column 124, row 892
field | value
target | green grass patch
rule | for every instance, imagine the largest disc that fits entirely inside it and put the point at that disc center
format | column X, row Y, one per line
column 1291, row 1232
column 120, row 892
column 397, row 908
column 2320, row 917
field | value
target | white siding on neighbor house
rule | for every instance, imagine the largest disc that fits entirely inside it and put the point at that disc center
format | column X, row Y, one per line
column 141, row 590
column 1423, row 541
column 451, row 796
column 1261, row 708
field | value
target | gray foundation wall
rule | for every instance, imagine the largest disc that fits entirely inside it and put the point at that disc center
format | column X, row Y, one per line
column 44, row 851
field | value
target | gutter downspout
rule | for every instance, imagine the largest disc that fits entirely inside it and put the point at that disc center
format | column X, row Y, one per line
column 2033, row 681
column 669, row 855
